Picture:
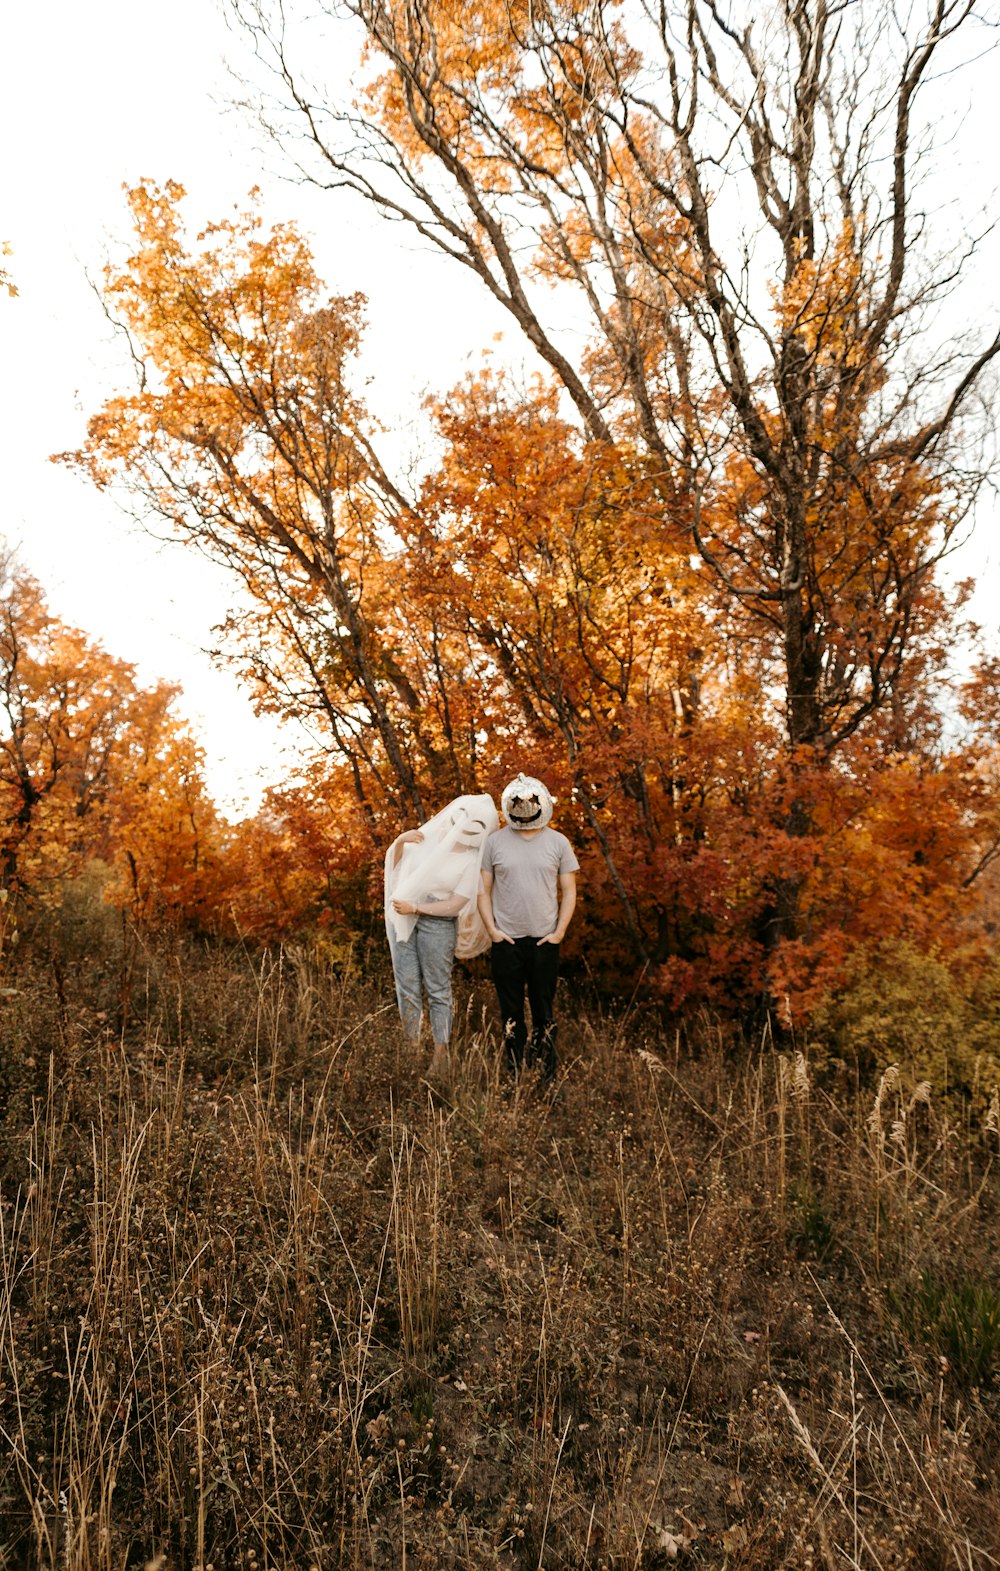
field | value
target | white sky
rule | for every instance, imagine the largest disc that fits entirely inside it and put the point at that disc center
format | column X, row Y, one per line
column 99, row 95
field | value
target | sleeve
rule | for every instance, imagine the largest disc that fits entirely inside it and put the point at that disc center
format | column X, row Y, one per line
column 567, row 857
column 487, row 865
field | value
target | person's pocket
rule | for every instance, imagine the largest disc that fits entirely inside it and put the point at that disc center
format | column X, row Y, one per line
column 506, row 960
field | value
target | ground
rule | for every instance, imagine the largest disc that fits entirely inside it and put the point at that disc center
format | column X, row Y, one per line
column 269, row 1300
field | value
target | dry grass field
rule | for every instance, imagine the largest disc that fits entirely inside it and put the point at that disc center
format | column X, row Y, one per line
column 266, row 1302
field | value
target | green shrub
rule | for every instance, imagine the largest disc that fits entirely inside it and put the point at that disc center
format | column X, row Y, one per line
column 75, row 922
column 938, row 1020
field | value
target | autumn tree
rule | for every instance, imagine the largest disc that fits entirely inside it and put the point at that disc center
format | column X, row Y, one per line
column 532, row 594
column 92, row 765
column 735, row 202
column 299, row 867
column 247, row 436
column 550, row 552
column 719, row 518
column 528, row 593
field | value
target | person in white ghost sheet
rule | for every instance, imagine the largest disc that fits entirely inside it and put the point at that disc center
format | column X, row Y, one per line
column 431, row 914
column 526, row 901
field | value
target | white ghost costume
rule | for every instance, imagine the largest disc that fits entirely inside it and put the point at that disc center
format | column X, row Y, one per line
column 441, row 867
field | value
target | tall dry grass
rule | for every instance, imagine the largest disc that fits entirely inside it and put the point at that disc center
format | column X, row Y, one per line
column 266, row 1301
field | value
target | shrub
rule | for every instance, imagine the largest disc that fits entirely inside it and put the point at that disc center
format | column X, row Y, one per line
column 935, row 1017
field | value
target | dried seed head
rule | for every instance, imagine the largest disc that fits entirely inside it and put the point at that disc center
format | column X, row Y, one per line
column 888, row 1083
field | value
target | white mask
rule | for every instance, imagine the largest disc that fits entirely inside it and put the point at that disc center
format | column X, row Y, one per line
column 526, row 803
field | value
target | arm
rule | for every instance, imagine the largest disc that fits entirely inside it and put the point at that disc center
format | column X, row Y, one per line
column 450, row 907
column 486, row 909
column 411, row 837
column 567, row 905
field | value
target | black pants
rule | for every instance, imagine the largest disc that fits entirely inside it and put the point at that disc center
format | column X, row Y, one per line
column 526, row 966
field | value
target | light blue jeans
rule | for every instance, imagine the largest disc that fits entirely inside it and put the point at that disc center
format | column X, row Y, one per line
column 425, row 959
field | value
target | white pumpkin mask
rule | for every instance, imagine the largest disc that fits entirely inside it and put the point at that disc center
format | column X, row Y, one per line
column 445, row 863
column 526, row 803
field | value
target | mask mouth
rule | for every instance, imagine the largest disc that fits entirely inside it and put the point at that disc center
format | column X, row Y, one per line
column 471, row 836
column 525, row 811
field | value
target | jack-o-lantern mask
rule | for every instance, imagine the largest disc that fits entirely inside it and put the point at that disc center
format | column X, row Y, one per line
column 526, row 803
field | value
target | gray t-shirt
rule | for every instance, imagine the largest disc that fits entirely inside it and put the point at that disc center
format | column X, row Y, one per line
column 526, row 872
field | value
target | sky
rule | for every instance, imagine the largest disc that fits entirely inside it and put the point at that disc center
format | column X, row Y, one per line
column 99, row 96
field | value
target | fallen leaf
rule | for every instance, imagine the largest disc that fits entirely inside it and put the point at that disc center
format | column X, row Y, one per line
column 667, row 1542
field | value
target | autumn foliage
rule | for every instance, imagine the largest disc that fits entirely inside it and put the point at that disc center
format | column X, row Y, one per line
column 690, row 570
column 537, row 599
column 92, row 765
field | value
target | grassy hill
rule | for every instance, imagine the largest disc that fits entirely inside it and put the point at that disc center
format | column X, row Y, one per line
column 265, row 1301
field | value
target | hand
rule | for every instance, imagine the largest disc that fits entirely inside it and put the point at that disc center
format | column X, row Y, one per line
column 412, row 837
column 551, row 938
column 500, row 938
column 405, row 908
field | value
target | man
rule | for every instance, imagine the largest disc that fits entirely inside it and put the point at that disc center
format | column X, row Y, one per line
column 527, row 897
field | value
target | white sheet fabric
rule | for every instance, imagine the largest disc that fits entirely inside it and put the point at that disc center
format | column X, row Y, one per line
column 445, row 863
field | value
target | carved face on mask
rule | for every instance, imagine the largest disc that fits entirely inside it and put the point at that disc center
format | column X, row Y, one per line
column 473, row 829
column 526, row 803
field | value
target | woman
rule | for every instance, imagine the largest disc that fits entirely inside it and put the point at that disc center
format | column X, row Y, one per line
column 431, row 889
